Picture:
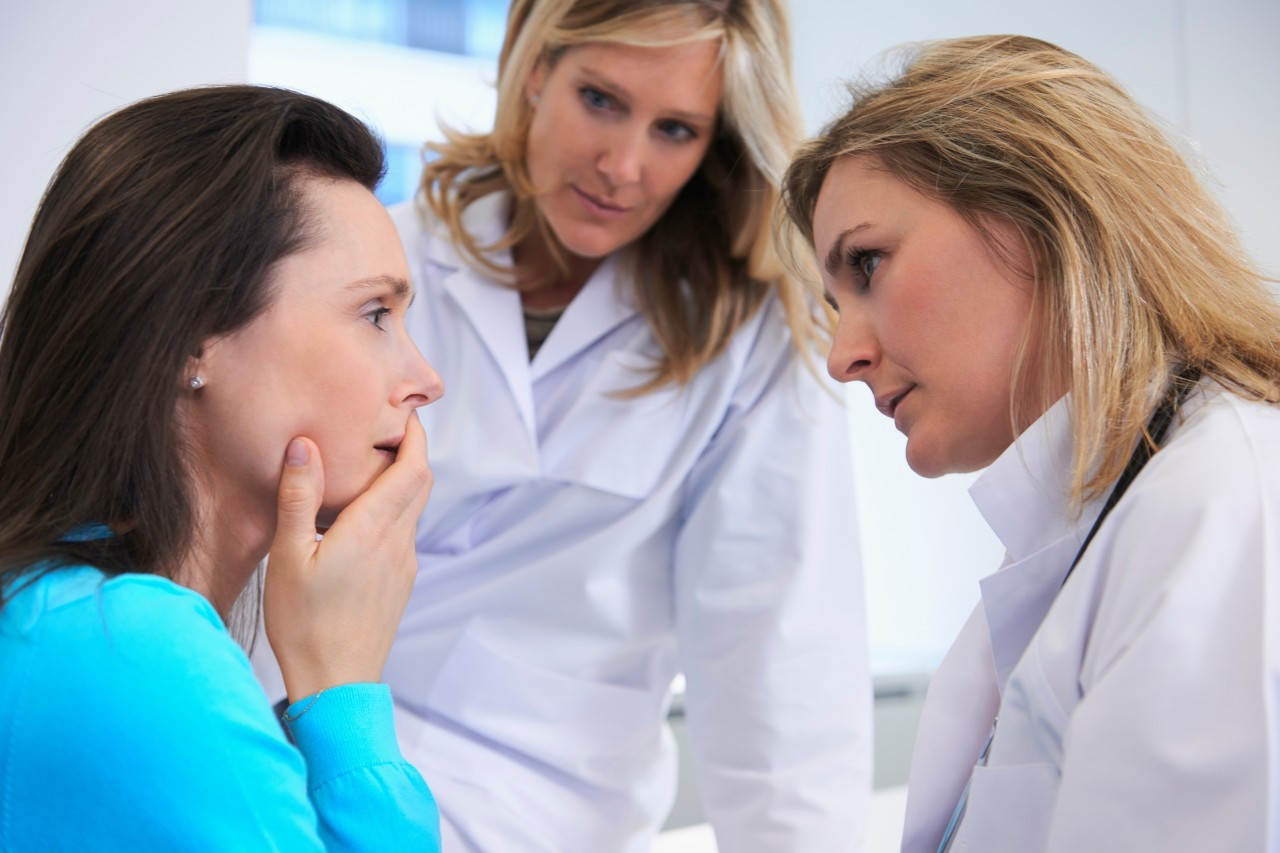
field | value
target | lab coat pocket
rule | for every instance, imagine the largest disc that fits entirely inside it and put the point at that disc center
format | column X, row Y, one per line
column 622, row 445
column 595, row 731
column 1009, row 809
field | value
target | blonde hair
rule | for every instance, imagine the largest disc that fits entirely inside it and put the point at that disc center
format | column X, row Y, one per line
column 709, row 263
column 1138, row 271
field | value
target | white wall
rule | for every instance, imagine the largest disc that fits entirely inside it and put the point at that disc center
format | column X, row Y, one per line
column 65, row 63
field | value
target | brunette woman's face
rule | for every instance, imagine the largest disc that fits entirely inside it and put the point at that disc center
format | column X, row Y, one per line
column 931, row 318
column 328, row 359
column 617, row 131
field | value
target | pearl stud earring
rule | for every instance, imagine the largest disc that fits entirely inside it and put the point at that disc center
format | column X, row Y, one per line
column 197, row 382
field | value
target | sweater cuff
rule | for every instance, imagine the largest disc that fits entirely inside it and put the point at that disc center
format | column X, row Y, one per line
column 344, row 728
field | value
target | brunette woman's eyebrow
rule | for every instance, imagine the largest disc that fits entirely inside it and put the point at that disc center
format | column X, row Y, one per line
column 399, row 287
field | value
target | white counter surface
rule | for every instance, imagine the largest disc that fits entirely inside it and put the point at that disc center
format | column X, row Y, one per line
column 884, row 835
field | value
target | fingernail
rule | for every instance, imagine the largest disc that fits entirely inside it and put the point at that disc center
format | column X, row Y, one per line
column 296, row 454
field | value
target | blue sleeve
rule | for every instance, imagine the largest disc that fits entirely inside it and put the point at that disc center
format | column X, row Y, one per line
column 345, row 774
column 134, row 722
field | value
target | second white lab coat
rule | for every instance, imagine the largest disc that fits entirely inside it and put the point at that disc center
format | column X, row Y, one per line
column 1138, row 703
column 580, row 549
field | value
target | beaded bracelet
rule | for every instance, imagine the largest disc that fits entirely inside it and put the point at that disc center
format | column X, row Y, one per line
column 314, row 698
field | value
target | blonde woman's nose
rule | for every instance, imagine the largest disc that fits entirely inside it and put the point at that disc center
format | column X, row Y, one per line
column 854, row 351
column 622, row 162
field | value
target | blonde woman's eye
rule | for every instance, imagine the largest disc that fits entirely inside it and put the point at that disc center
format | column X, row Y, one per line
column 376, row 316
column 677, row 131
column 863, row 264
column 869, row 263
column 595, row 99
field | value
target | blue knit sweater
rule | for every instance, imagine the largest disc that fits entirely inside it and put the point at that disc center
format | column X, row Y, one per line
column 130, row 720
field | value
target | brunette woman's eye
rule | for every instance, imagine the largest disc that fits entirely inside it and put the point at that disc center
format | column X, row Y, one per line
column 376, row 315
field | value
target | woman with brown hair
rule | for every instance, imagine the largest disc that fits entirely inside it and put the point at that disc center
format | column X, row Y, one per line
column 203, row 358
column 1031, row 279
column 641, row 475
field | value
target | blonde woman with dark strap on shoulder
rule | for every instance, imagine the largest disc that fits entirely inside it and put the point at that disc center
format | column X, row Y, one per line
column 1031, row 279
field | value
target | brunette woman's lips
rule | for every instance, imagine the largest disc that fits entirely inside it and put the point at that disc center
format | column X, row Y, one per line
column 390, row 447
column 598, row 206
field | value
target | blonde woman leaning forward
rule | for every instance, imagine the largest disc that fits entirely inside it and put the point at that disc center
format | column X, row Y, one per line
column 1029, row 277
column 658, row 484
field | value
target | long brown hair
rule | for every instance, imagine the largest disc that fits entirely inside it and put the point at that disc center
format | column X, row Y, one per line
column 711, row 261
column 159, row 230
column 1138, row 272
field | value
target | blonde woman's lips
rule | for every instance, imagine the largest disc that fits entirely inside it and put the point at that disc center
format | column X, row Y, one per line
column 598, row 206
column 887, row 404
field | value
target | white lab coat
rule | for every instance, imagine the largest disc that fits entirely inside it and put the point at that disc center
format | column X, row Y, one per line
column 1137, row 706
column 580, row 549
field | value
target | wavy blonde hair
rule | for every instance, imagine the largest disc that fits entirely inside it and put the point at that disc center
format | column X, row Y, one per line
column 709, row 263
column 1138, row 271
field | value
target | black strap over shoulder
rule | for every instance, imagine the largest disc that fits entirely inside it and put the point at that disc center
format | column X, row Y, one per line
column 1147, row 445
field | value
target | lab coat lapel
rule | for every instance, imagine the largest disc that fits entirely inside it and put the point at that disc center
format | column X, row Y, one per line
column 601, row 306
column 492, row 309
column 494, row 312
column 954, row 723
column 1023, row 497
column 1017, row 599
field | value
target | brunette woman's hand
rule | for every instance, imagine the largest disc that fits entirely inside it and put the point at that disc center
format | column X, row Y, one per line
column 331, row 607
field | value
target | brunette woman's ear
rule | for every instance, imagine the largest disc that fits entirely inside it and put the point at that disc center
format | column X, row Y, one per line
column 194, row 375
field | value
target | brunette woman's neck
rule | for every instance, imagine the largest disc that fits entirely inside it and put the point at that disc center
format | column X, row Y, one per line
column 224, row 553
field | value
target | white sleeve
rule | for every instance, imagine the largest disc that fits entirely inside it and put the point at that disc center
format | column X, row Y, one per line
column 1173, row 745
column 770, row 619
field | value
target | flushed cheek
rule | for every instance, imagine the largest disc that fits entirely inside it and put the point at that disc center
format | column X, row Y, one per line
column 349, row 471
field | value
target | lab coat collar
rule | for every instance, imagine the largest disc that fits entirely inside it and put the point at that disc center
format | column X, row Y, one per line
column 1024, row 498
column 1023, row 494
column 491, row 308
column 485, row 219
column 603, row 304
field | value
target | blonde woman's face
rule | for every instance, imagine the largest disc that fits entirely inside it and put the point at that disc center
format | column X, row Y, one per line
column 616, row 132
column 930, row 317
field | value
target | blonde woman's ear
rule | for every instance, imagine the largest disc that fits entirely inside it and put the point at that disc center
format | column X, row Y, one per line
column 533, row 84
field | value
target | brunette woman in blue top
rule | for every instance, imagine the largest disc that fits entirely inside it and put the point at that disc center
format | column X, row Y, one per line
column 203, row 359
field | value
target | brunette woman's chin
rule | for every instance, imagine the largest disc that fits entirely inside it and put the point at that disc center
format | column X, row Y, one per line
column 336, row 501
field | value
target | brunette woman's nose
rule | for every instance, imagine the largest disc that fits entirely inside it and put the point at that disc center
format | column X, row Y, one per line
column 421, row 385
